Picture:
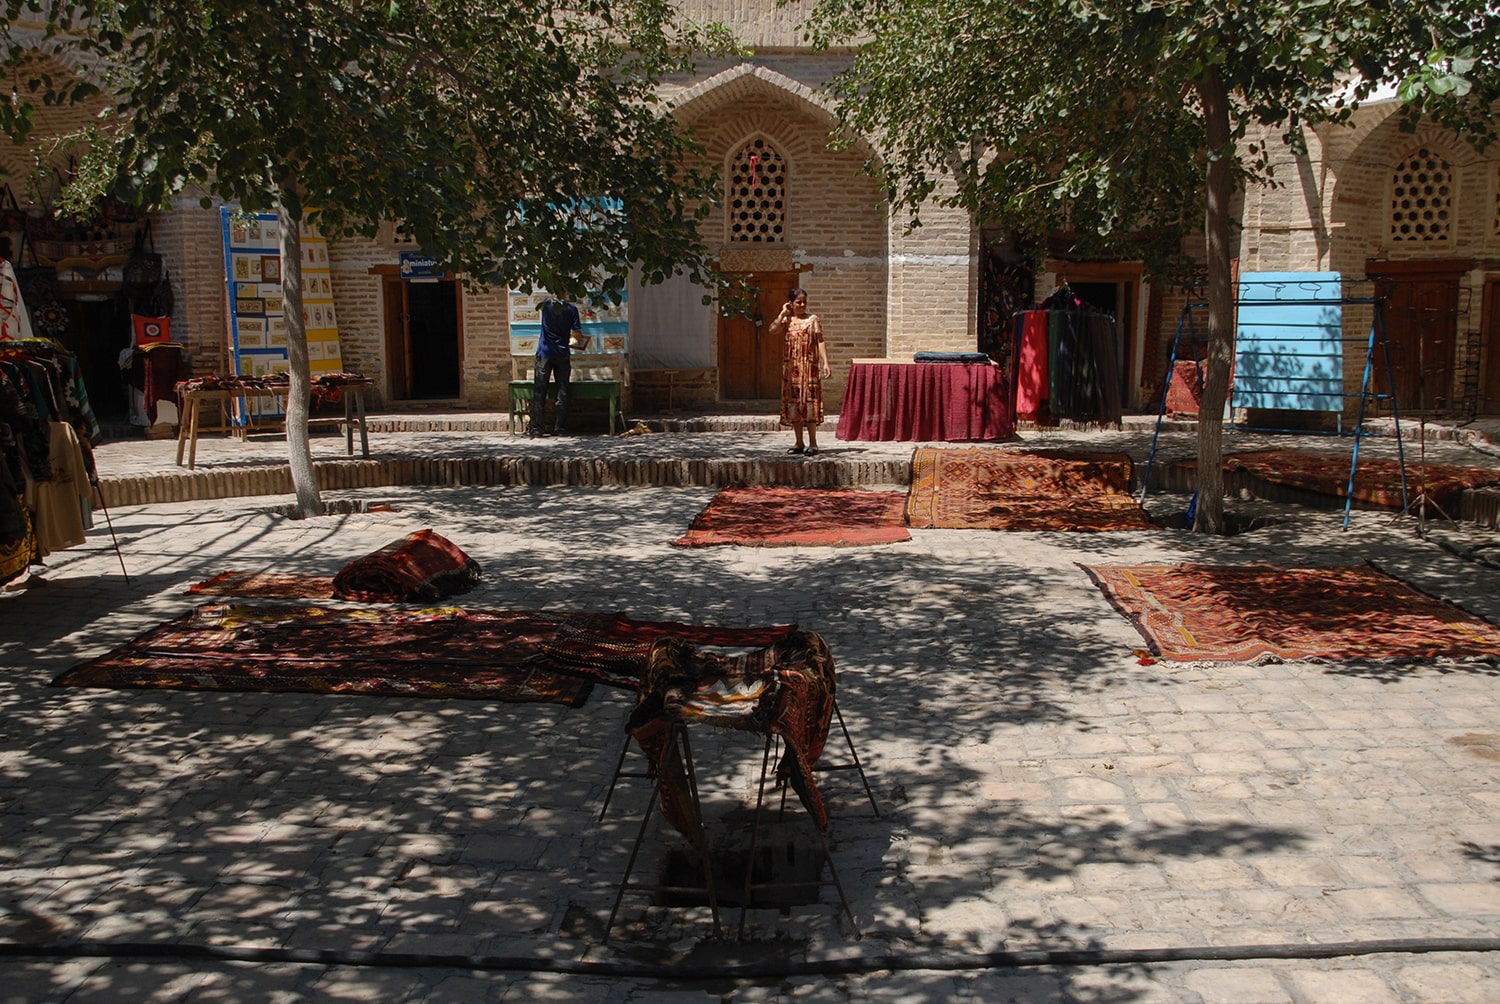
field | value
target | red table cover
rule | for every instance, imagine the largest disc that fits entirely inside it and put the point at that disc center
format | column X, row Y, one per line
column 926, row 402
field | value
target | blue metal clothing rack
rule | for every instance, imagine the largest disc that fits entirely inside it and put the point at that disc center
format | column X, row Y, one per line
column 1377, row 336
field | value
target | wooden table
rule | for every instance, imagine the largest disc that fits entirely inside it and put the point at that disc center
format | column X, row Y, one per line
column 189, row 425
column 889, row 399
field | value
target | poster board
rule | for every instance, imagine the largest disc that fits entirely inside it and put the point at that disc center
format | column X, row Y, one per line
column 257, row 316
column 605, row 326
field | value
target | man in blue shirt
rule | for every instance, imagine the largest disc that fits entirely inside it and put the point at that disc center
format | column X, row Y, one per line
column 560, row 326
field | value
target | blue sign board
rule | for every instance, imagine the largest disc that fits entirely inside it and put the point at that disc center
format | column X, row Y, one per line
column 416, row 265
column 1289, row 342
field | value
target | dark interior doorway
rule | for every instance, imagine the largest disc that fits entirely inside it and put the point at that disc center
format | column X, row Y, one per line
column 433, row 330
column 424, row 339
column 98, row 331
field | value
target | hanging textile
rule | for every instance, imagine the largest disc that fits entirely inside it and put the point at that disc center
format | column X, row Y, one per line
column 46, row 465
column 1067, row 362
column 15, row 319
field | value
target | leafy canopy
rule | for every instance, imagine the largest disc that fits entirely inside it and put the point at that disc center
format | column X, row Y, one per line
column 1087, row 115
column 519, row 142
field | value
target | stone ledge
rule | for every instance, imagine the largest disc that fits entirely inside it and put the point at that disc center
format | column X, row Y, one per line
column 343, row 475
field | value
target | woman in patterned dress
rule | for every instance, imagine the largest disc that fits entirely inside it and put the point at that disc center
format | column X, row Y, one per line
column 804, row 367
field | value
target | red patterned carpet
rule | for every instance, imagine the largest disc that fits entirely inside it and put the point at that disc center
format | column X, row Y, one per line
column 1377, row 481
column 798, row 517
column 1260, row 613
column 267, row 585
column 488, row 655
column 987, row 489
column 500, row 655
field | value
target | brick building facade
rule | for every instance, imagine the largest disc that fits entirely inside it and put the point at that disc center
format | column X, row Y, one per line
column 1421, row 211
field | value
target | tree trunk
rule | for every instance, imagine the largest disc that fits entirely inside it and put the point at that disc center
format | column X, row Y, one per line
column 304, row 479
column 1218, row 229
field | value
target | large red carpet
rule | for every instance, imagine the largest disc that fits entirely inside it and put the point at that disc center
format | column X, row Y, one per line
column 1260, row 613
column 798, row 517
column 989, row 489
column 514, row 656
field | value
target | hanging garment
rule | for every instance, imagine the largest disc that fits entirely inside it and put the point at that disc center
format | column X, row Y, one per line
column 1031, row 372
column 18, row 546
column 15, row 320
column 62, row 502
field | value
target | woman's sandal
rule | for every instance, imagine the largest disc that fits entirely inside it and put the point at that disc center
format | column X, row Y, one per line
column 811, row 451
column 797, row 449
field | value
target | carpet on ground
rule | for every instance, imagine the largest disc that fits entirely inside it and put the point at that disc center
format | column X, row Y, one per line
column 798, row 517
column 267, row 585
column 988, row 489
column 1262, row 613
column 1377, row 480
column 514, row 656
column 423, row 567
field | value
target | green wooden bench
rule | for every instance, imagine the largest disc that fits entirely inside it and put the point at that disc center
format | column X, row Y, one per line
column 595, row 377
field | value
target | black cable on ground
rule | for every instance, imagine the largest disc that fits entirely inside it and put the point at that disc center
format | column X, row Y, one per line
column 1019, row 959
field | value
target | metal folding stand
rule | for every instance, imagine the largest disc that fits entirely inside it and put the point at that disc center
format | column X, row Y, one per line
column 854, row 764
column 751, row 886
column 679, row 735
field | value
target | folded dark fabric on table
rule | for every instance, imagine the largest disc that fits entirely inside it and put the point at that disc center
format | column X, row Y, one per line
column 424, row 566
column 950, row 357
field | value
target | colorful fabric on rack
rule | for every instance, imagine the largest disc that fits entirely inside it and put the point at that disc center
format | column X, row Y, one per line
column 1033, row 380
column 421, row 567
column 613, row 649
column 18, row 546
column 798, row 517
column 1069, row 363
column 787, row 690
column 1261, row 613
column 986, row 489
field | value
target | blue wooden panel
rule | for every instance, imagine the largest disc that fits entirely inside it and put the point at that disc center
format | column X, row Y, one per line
column 1289, row 350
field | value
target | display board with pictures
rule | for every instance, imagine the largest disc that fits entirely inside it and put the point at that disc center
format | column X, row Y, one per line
column 257, row 316
column 605, row 325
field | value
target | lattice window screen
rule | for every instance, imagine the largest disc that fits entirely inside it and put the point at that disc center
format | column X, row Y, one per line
column 757, row 194
column 1422, row 198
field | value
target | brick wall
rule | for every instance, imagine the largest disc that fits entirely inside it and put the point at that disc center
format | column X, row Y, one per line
column 835, row 227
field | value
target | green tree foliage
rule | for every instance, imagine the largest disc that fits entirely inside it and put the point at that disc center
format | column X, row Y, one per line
column 519, row 143
column 1132, row 123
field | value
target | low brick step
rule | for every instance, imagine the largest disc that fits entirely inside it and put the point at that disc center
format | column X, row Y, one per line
column 347, row 475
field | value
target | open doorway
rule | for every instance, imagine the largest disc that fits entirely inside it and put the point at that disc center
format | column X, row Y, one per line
column 423, row 339
column 1115, row 288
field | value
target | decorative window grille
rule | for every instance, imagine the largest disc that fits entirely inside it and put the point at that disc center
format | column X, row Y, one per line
column 1422, row 198
column 757, row 194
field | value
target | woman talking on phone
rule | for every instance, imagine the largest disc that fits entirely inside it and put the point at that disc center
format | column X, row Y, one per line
column 804, row 367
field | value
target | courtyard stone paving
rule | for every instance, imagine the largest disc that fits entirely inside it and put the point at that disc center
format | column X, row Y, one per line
column 1058, row 821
